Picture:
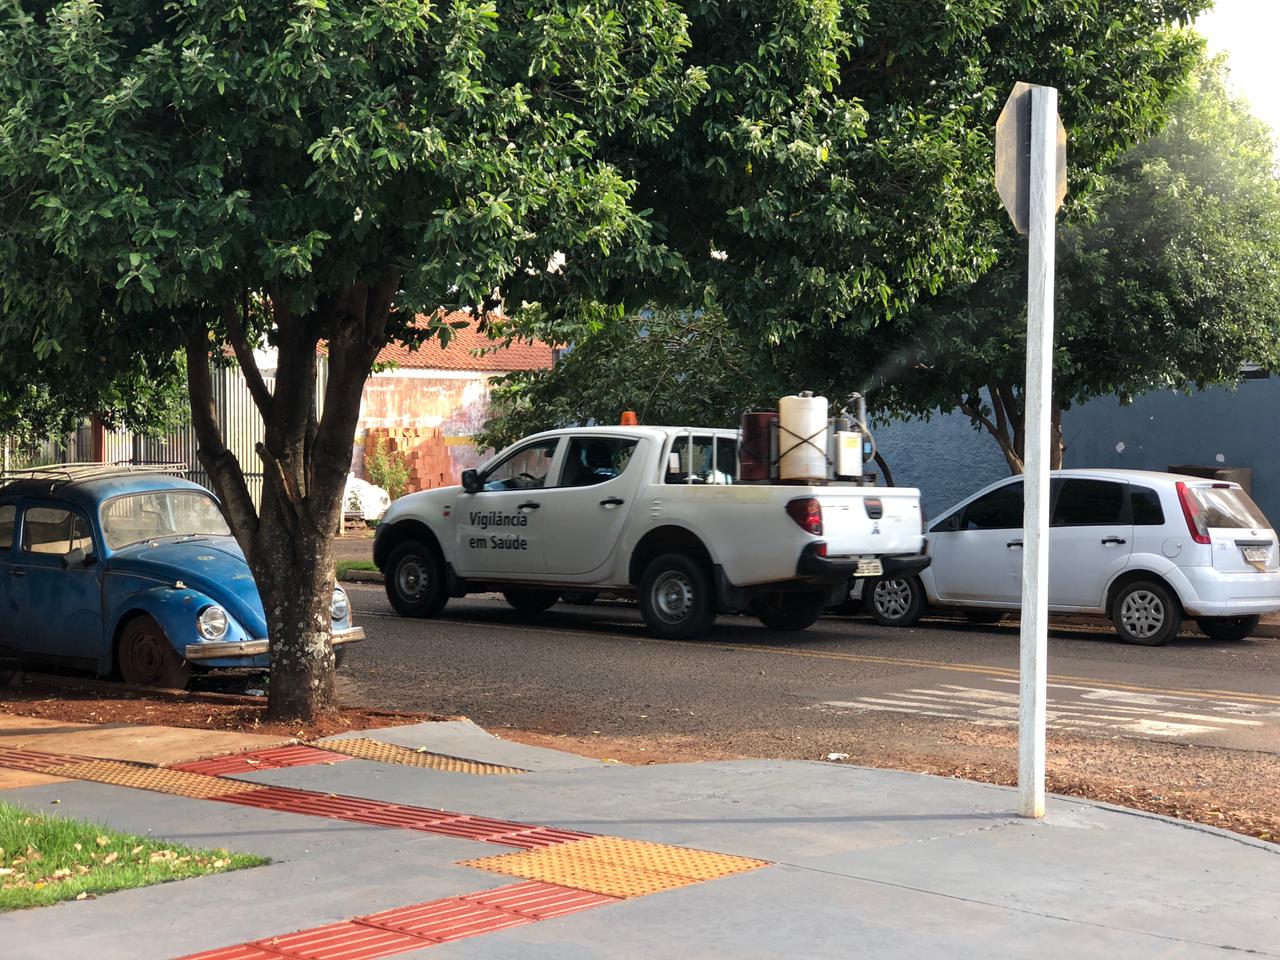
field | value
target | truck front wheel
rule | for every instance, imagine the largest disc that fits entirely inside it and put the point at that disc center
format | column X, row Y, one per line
column 788, row 611
column 677, row 599
column 415, row 580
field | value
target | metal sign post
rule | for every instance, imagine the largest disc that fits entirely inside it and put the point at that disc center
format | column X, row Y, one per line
column 1031, row 177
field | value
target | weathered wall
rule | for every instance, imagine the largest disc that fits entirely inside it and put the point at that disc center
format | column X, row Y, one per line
column 428, row 416
column 1216, row 428
column 945, row 457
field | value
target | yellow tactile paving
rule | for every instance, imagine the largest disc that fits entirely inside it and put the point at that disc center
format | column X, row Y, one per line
column 617, row 867
column 177, row 782
column 363, row 748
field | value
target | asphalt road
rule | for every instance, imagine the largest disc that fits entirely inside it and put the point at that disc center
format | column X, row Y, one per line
column 591, row 670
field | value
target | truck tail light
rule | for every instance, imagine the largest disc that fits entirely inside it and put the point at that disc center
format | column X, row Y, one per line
column 1194, row 515
column 807, row 512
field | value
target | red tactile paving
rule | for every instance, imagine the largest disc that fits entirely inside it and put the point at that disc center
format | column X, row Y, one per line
column 275, row 758
column 474, row 828
column 534, row 837
column 342, row 941
column 309, row 802
column 241, row 951
column 540, row 901
column 444, row 920
column 32, row 761
column 406, row 818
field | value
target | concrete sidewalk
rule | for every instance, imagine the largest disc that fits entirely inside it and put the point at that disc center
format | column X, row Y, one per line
column 860, row 862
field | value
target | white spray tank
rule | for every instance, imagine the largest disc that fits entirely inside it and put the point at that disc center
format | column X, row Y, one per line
column 802, row 437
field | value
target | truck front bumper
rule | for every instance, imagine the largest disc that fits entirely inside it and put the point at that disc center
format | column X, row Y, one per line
column 216, row 650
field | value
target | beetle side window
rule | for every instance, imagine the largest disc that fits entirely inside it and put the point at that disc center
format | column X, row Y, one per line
column 524, row 469
column 8, row 516
column 1001, row 509
column 592, row 460
column 52, row 530
column 1089, row 503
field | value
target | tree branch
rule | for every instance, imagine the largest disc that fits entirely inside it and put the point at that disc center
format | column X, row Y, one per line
column 236, row 334
column 225, row 472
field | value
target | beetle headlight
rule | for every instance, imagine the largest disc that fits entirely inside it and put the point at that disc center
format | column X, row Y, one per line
column 213, row 623
column 340, row 606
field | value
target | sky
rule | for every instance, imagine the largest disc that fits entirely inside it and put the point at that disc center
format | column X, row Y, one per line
column 1246, row 30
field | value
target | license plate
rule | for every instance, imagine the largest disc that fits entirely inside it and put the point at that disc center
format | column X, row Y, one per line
column 869, row 568
column 1256, row 554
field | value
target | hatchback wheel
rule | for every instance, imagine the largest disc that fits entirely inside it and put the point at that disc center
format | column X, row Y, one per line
column 147, row 658
column 896, row 601
column 1227, row 628
column 1146, row 612
column 530, row 602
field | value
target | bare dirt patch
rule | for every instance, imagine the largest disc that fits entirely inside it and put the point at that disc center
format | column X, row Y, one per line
column 1236, row 790
column 98, row 702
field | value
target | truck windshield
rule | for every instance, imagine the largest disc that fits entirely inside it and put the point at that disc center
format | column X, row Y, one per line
column 166, row 513
column 1228, row 507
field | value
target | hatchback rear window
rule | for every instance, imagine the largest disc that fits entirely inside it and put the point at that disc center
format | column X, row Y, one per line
column 1228, row 507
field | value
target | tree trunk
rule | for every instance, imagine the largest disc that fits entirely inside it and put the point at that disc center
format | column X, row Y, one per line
column 1056, row 445
column 287, row 539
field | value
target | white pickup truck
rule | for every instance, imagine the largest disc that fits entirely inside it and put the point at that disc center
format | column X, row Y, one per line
column 656, row 513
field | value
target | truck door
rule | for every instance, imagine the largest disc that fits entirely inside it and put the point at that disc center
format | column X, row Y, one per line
column 500, row 530
column 588, row 509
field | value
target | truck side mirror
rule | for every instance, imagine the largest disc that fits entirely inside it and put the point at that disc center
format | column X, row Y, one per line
column 471, row 481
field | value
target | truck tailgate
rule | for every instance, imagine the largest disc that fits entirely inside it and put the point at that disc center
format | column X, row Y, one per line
column 861, row 521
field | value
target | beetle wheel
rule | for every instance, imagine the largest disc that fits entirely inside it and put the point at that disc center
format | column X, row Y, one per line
column 147, row 658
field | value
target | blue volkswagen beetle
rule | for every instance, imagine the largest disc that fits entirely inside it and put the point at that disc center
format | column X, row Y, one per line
column 132, row 573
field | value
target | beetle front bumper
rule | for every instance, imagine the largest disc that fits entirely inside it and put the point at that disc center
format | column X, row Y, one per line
column 215, row 650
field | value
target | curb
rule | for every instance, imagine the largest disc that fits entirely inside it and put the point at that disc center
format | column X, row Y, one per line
column 363, row 576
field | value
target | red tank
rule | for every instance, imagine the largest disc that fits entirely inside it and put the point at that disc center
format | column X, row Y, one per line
column 755, row 453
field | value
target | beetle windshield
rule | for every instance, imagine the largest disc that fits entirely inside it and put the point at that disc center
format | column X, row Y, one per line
column 164, row 513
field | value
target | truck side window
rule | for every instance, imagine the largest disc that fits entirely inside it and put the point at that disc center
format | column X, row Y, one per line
column 723, row 470
column 524, row 469
column 592, row 460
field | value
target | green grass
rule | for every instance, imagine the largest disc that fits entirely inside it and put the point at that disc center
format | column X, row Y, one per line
column 46, row 859
column 344, row 565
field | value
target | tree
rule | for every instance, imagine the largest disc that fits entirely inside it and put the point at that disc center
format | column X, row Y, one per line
column 1170, row 281
column 666, row 365
column 179, row 175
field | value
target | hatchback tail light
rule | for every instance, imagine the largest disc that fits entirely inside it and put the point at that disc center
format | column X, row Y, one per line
column 807, row 512
column 1194, row 515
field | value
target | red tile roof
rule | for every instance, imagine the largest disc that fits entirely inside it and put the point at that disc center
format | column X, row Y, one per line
column 469, row 349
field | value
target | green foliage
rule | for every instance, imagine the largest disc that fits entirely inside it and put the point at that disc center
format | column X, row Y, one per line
column 669, row 366
column 1172, row 281
column 387, row 470
column 47, row 859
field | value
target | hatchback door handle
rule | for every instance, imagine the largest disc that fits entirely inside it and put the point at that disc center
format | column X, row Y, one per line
column 529, row 505
column 612, row 502
column 1113, row 540
column 1013, row 543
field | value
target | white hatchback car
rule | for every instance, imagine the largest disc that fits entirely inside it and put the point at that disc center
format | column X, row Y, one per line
column 1143, row 548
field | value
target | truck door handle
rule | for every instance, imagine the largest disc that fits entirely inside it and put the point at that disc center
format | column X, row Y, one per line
column 1113, row 540
column 529, row 505
column 612, row 502
column 1013, row 543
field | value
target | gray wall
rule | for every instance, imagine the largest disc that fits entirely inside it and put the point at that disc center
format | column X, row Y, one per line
column 945, row 457
column 948, row 460
column 1216, row 428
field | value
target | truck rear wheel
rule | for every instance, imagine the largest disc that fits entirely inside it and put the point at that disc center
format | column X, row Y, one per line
column 677, row 599
column 415, row 580
column 788, row 611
